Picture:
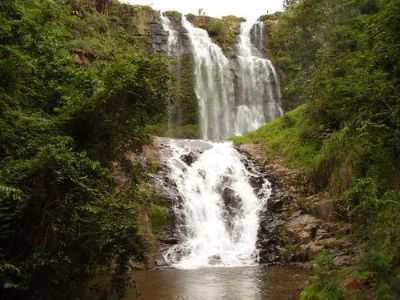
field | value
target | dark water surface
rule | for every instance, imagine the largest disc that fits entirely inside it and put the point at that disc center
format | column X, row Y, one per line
column 247, row 283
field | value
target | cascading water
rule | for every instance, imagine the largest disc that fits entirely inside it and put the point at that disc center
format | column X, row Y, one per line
column 217, row 206
column 219, row 209
column 174, row 49
column 258, row 84
column 173, row 36
column 213, row 85
column 257, row 99
column 257, row 35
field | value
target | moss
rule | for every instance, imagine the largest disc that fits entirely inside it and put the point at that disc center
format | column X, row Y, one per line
column 223, row 31
column 153, row 166
column 173, row 15
column 159, row 217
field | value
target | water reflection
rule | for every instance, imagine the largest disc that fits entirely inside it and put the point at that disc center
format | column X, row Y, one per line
column 250, row 283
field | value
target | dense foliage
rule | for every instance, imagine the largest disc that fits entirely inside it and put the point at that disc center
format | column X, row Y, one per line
column 77, row 90
column 342, row 59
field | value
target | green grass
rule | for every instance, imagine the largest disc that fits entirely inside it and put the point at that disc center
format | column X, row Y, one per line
column 285, row 137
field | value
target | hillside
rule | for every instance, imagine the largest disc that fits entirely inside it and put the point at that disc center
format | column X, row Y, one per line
column 78, row 88
column 341, row 61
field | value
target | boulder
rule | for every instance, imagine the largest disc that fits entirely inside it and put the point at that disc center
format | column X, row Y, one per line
column 214, row 260
column 232, row 201
column 189, row 158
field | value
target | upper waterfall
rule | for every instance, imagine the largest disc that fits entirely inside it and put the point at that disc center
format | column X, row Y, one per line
column 213, row 84
column 173, row 36
column 258, row 84
column 235, row 95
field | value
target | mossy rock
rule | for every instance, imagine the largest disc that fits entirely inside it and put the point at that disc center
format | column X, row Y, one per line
column 174, row 16
column 223, row 31
column 159, row 218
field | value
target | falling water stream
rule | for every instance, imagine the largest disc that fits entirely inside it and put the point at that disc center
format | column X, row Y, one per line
column 219, row 208
column 213, row 84
column 259, row 90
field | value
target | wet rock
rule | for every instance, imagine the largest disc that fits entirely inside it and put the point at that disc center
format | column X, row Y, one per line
column 189, row 158
column 169, row 241
column 275, row 204
column 214, row 260
column 268, row 256
column 256, row 182
column 160, row 261
column 232, row 201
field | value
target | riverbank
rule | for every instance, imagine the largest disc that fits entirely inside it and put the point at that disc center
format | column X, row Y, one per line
column 307, row 222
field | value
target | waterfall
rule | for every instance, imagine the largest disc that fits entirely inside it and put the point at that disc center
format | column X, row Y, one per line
column 217, row 203
column 257, row 100
column 257, row 34
column 219, row 209
column 213, row 85
column 258, row 84
column 173, row 36
column 174, row 49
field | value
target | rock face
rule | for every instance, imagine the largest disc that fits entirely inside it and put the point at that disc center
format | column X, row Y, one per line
column 158, row 38
column 297, row 225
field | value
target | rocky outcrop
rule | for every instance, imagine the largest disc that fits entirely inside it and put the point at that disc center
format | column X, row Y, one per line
column 147, row 163
column 158, row 38
column 298, row 224
column 223, row 31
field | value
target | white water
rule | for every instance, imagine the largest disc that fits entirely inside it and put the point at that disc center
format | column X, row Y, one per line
column 217, row 209
column 258, row 36
column 259, row 88
column 215, row 232
column 257, row 100
column 173, row 36
column 175, row 50
column 213, row 85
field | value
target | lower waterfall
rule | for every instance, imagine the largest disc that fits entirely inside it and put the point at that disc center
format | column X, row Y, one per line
column 218, row 207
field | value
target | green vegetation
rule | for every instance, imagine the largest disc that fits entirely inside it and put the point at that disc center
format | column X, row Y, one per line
column 175, row 16
column 341, row 60
column 299, row 153
column 222, row 31
column 159, row 216
column 183, row 112
column 326, row 283
column 77, row 90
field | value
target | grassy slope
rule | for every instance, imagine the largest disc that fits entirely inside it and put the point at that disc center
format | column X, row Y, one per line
column 283, row 137
column 333, row 161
